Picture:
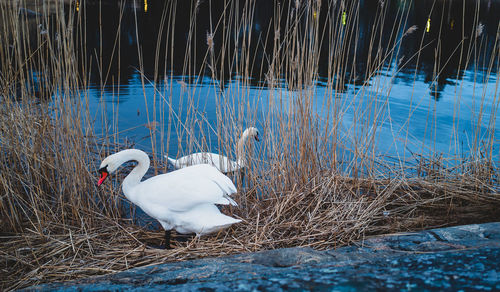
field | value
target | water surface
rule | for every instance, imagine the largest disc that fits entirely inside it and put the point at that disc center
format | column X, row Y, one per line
column 436, row 93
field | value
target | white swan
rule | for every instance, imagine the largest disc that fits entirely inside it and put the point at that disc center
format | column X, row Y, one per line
column 183, row 200
column 221, row 162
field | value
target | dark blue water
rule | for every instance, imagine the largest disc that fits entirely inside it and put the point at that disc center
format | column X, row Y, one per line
column 438, row 93
column 406, row 112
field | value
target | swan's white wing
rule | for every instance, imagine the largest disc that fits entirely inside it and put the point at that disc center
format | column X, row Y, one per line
column 199, row 158
column 186, row 188
column 221, row 162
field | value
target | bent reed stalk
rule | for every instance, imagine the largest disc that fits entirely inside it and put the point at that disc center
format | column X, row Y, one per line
column 313, row 180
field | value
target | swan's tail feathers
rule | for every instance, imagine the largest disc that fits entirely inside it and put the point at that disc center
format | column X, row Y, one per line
column 227, row 185
column 226, row 200
column 172, row 161
column 218, row 223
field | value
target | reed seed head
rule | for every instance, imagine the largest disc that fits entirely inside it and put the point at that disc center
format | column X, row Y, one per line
column 479, row 29
column 210, row 41
column 411, row 30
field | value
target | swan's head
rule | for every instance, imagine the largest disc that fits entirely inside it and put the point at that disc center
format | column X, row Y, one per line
column 252, row 132
column 109, row 165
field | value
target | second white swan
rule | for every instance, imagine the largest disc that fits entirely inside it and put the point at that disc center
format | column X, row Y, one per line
column 221, row 162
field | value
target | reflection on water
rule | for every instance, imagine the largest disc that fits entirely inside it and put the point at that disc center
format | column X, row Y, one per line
column 439, row 60
column 444, row 31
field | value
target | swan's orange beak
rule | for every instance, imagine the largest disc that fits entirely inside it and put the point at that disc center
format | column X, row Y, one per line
column 104, row 175
column 257, row 138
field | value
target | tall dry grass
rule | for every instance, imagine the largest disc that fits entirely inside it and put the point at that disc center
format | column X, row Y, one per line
column 311, row 182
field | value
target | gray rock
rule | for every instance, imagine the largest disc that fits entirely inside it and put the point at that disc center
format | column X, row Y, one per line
column 285, row 257
column 454, row 258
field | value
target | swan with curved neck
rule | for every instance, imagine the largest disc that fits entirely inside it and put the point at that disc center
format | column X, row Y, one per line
column 183, row 200
column 221, row 162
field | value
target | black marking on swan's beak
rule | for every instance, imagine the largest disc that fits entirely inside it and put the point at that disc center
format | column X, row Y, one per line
column 257, row 137
column 104, row 174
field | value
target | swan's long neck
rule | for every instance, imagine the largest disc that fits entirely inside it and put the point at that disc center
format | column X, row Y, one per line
column 240, row 150
column 135, row 176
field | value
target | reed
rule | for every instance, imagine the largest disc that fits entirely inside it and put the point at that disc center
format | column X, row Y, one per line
column 315, row 180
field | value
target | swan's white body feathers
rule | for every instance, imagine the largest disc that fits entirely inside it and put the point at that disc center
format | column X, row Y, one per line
column 221, row 162
column 202, row 219
column 185, row 188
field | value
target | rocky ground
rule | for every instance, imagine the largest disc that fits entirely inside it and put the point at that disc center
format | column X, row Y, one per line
column 454, row 258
